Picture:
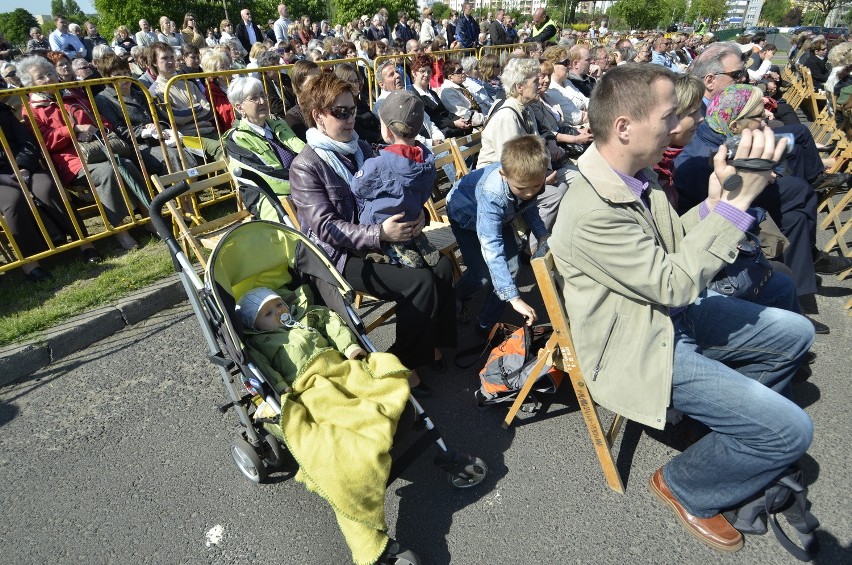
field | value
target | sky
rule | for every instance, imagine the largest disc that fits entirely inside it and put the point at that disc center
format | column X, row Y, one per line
column 36, row 7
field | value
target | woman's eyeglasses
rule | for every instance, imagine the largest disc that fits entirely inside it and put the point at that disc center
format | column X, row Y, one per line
column 343, row 112
column 457, row 72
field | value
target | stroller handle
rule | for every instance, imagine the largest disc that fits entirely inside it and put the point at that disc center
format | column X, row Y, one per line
column 156, row 213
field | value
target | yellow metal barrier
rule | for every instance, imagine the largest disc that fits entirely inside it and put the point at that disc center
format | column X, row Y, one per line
column 501, row 51
column 406, row 61
column 82, row 96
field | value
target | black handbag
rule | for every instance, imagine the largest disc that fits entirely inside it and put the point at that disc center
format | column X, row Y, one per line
column 747, row 276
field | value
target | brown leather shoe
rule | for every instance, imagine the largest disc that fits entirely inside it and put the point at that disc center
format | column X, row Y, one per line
column 715, row 532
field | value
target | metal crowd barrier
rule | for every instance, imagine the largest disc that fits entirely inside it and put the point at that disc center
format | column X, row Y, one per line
column 502, row 51
column 406, row 61
column 80, row 199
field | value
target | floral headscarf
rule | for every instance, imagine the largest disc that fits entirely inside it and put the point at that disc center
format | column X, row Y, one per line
column 730, row 105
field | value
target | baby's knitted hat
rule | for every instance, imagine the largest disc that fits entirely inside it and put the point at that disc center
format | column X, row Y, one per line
column 251, row 302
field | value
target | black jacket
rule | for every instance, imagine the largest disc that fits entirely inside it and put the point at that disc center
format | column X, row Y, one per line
column 243, row 36
column 497, row 33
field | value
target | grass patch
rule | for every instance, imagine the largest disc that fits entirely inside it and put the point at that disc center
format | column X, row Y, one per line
column 27, row 308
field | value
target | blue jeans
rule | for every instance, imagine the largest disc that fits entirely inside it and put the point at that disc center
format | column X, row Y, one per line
column 756, row 431
column 477, row 276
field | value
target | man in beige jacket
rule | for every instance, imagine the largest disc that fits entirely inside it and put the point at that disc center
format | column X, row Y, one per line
column 649, row 334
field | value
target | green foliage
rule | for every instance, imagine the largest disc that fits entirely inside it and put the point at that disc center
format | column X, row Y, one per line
column 68, row 8
column 640, row 14
column 813, row 18
column 773, row 12
column 792, row 18
column 15, row 26
column 440, row 11
column 344, row 11
column 714, row 10
column 674, row 11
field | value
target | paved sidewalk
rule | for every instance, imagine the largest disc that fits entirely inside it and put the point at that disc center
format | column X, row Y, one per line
column 76, row 334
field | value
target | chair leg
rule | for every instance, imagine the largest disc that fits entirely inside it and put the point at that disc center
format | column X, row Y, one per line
column 601, row 441
column 545, row 355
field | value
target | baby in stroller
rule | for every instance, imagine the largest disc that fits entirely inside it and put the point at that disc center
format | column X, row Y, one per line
column 339, row 413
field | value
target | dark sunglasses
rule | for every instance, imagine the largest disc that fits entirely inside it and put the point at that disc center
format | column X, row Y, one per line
column 736, row 75
column 343, row 112
column 564, row 63
column 457, row 71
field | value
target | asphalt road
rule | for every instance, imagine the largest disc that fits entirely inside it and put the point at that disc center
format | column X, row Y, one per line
column 119, row 455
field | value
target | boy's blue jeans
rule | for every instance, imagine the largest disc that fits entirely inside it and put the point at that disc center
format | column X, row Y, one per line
column 756, row 430
column 477, row 275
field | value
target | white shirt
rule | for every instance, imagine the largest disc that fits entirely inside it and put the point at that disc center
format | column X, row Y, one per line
column 437, row 135
column 570, row 101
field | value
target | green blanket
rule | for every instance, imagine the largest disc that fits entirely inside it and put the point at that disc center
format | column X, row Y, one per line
column 338, row 422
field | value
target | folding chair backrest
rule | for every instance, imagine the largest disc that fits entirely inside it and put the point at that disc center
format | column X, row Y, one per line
column 467, row 150
column 199, row 234
column 445, row 164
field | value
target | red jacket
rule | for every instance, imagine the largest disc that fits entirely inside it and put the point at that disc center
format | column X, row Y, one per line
column 57, row 137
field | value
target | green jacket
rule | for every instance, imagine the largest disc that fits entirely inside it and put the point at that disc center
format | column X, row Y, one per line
column 281, row 354
column 621, row 270
column 248, row 149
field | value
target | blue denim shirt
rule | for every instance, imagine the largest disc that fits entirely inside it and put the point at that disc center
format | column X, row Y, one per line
column 482, row 202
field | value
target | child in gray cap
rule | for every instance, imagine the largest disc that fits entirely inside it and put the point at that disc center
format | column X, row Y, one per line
column 399, row 181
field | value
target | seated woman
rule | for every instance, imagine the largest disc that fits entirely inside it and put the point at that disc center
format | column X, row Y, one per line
column 320, row 179
column 123, row 38
column 367, row 126
column 791, row 202
column 475, row 84
column 14, row 206
column 217, row 88
column 817, row 62
column 449, row 124
column 563, row 141
column 561, row 93
column 191, row 110
column 489, row 71
column 134, row 105
column 37, row 71
column 301, row 73
column 511, row 118
column 260, row 143
column 456, row 98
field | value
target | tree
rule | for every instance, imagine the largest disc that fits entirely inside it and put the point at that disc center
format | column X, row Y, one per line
column 773, row 12
column 824, row 8
column 714, row 10
column 792, row 18
column 15, row 26
column 440, row 11
column 639, row 14
column 68, row 8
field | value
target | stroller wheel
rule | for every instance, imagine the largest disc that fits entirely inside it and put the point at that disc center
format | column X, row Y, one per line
column 469, row 475
column 396, row 554
column 275, row 453
column 247, row 460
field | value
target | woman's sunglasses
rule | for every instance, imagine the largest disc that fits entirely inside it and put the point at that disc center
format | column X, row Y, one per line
column 343, row 112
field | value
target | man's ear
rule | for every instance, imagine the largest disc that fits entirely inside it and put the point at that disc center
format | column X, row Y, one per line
column 709, row 83
column 622, row 127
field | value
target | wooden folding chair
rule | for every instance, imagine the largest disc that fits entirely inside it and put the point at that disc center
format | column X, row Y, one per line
column 812, row 97
column 465, row 148
column 559, row 351
column 206, row 233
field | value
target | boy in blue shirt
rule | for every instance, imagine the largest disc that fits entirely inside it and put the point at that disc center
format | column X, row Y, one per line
column 483, row 207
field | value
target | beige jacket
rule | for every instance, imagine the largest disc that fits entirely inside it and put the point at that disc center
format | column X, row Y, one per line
column 621, row 269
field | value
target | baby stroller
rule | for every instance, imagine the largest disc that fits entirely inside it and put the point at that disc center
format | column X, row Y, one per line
column 262, row 253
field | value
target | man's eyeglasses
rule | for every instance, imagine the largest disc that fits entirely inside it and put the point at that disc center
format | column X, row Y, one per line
column 343, row 112
column 735, row 75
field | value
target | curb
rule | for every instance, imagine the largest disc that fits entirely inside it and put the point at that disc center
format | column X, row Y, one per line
column 23, row 359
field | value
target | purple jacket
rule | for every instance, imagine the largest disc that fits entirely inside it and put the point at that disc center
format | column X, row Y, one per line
column 326, row 207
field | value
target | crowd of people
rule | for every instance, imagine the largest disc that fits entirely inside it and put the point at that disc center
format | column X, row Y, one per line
column 609, row 143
